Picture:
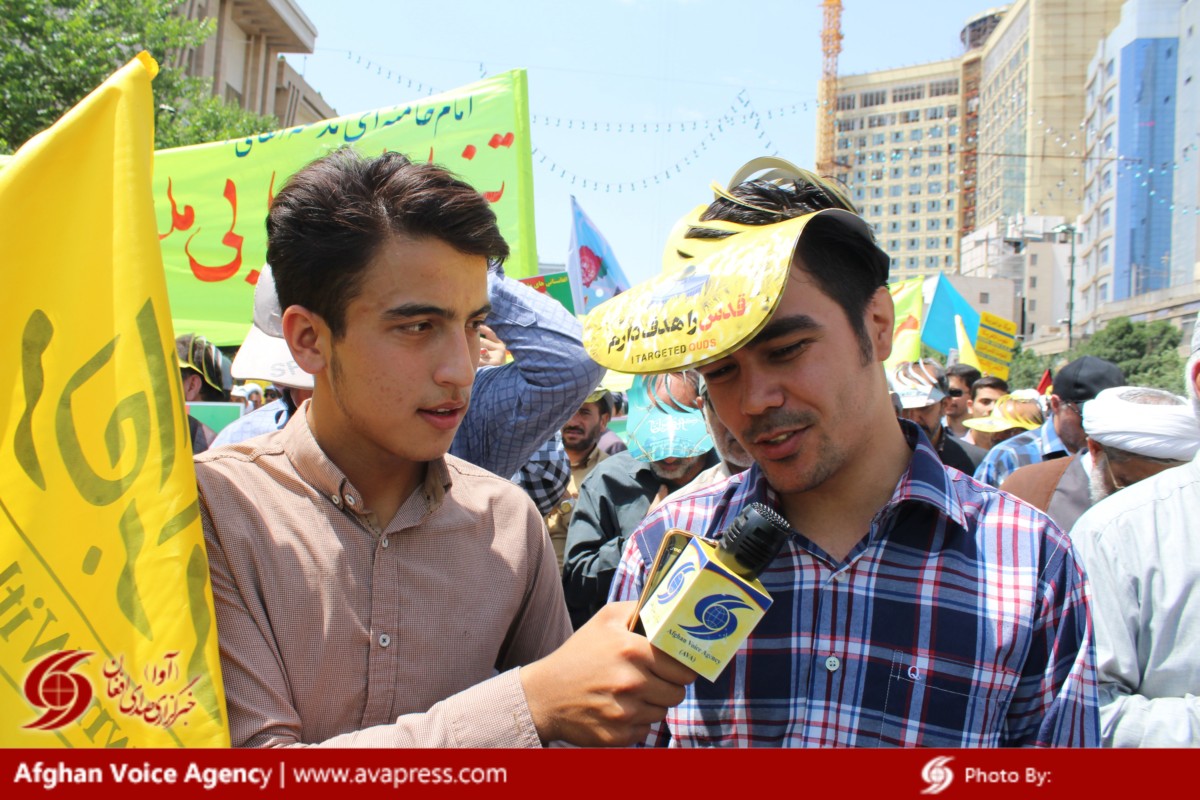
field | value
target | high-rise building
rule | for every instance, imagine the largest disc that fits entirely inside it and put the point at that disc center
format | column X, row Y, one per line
column 896, row 149
column 1033, row 69
column 1185, row 231
column 1133, row 261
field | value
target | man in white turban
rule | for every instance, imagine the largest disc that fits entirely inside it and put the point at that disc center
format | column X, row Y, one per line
column 1141, row 550
column 1134, row 433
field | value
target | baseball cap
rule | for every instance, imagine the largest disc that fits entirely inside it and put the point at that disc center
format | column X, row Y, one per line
column 1020, row 409
column 918, row 383
column 203, row 357
column 264, row 353
column 1086, row 377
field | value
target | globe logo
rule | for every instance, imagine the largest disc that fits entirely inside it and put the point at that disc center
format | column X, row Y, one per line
column 62, row 694
column 675, row 585
column 716, row 617
column 937, row 775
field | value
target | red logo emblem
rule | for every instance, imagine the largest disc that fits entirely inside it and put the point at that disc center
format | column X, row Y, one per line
column 63, row 694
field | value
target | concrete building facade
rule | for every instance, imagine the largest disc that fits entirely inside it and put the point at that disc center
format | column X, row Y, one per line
column 896, row 150
column 244, row 58
column 1030, row 151
column 1137, row 227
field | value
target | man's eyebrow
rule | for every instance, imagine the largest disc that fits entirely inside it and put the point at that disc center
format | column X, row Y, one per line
column 406, row 310
column 784, row 326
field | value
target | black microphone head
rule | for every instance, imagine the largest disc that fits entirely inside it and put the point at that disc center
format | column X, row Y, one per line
column 754, row 539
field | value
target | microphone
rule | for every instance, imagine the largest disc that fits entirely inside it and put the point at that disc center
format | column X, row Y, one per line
column 702, row 600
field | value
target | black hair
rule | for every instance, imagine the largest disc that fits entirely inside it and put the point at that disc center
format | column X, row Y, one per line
column 330, row 218
column 843, row 264
column 988, row 382
column 965, row 372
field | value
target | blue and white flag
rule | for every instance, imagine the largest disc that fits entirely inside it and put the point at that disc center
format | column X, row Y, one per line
column 595, row 274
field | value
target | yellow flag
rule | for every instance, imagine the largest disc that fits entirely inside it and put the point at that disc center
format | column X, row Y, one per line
column 909, row 300
column 107, row 634
column 966, row 352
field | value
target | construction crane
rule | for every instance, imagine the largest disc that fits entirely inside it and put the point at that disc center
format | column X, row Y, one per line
column 831, row 45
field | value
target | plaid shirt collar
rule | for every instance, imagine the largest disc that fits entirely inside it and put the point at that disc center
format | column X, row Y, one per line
column 925, row 481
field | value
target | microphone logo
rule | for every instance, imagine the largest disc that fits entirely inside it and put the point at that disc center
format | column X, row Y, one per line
column 676, row 584
column 715, row 613
column 937, row 775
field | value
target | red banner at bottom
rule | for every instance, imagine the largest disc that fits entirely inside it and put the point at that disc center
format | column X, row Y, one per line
column 584, row 773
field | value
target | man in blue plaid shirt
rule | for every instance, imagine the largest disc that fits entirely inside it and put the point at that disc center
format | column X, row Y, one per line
column 913, row 606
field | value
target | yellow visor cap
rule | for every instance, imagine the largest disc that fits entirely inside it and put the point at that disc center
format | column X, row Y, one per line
column 707, row 308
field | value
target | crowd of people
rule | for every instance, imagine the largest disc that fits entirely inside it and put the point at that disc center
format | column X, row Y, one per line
column 430, row 537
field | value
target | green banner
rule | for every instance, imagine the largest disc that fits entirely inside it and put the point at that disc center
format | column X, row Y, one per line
column 211, row 200
column 555, row 284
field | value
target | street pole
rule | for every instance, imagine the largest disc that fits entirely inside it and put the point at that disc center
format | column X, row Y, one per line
column 1071, row 288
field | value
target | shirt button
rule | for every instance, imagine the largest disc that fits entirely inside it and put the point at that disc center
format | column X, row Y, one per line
column 384, row 542
column 337, row 501
column 350, row 500
column 384, row 640
column 832, row 663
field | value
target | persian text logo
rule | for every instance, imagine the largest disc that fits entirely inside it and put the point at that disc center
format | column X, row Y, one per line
column 62, row 694
column 937, row 775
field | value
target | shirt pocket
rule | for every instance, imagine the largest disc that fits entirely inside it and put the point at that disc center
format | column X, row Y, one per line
column 934, row 701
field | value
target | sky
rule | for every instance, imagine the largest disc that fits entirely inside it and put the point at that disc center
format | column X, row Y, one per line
column 656, row 63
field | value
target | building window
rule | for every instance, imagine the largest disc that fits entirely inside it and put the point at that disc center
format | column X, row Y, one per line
column 935, row 131
column 905, row 94
column 1104, row 255
column 984, row 298
column 894, row 226
column 949, row 261
column 845, row 102
column 933, row 205
column 914, row 188
column 896, row 191
column 914, row 225
column 933, row 224
column 876, row 98
column 935, row 187
column 936, row 112
column 894, row 208
column 878, row 139
column 914, row 208
column 1033, row 263
column 910, row 116
column 943, row 87
column 931, row 243
column 914, row 171
column 1033, row 278
column 1033, row 305
column 914, row 244
column 893, row 244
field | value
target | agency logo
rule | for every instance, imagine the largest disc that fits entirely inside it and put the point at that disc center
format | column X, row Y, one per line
column 676, row 583
column 937, row 775
column 52, row 686
column 715, row 613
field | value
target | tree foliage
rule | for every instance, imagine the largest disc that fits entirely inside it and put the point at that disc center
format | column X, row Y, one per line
column 54, row 52
column 1147, row 352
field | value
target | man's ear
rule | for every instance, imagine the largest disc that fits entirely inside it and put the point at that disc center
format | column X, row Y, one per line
column 1093, row 448
column 308, row 337
column 1056, row 404
column 880, row 319
column 191, row 386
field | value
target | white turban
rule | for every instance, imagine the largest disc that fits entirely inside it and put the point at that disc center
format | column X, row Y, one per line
column 1143, row 429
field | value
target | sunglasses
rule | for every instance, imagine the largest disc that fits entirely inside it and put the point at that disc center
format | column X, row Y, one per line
column 955, row 392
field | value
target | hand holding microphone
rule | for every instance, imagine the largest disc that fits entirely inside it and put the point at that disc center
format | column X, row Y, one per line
column 701, row 601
